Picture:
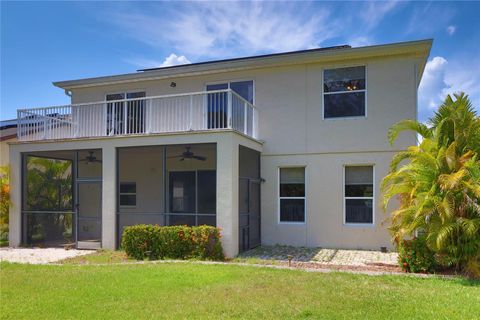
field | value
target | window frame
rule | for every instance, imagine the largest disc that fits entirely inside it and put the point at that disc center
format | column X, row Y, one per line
column 125, row 99
column 343, row 92
column 345, row 198
column 279, row 198
column 120, row 194
column 232, row 80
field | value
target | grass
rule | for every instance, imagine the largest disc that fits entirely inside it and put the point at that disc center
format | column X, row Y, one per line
column 193, row 291
column 100, row 257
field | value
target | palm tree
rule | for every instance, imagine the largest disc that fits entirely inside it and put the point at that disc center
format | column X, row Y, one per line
column 438, row 183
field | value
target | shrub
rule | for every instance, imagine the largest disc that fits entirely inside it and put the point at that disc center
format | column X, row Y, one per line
column 4, row 204
column 415, row 256
column 173, row 242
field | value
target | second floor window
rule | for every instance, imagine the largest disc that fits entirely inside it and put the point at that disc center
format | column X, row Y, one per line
column 125, row 117
column 344, row 91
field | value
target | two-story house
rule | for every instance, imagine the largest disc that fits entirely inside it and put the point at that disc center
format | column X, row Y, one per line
column 286, row 148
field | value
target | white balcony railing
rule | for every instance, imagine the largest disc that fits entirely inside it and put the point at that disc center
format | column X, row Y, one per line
column 212, row 110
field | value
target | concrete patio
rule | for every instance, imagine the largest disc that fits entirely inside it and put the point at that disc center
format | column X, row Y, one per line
column 322, row 255
column 39, row 255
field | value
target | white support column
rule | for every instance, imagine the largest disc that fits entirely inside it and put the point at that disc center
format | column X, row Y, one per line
column 15, row 212
column 227, row 193
column 109, row 177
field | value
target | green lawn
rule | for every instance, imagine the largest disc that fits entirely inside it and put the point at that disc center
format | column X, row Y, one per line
column 188, row 290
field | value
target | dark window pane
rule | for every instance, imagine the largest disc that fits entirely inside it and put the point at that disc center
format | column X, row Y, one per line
column 48, row 229
column 115, row 117
column 136, row 116
column 344, row 105
column 128, row 200
column 180, row 220
column 359, row 190
column 220, row 86
column 133, row 95
column 115, row 96
column 292, row 190
column 207, row 220
column 359, row 211
column 344, row 79
column 292, row 210
column 244, row 89
column 49, row 184
column 207, row 192
column 217, row 105
column 128, row 187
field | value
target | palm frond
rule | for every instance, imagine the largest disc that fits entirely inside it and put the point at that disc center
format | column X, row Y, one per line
column 410, row 125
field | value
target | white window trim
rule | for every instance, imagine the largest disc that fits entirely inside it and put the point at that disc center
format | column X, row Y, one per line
column 328, row 93
column 356, row 224
column 233, row 80
column 120, row 194
column 280, row 198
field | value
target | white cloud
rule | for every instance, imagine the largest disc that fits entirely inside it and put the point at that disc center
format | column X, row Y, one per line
column 359, row 41
column 174, row 60
column 442, row 77
column 214, row 29
column 433, row 84
column 451, row 30
column 375, row 11
column 171, row 60
column 428, row 19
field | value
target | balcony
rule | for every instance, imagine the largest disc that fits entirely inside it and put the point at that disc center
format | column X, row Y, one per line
column 198, row 111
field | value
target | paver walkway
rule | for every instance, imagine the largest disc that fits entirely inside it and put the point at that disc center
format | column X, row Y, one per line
column 39, row 255
column 321, row 255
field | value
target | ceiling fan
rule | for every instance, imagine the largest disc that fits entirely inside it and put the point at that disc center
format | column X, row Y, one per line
column 187, row 154
column 91, row 158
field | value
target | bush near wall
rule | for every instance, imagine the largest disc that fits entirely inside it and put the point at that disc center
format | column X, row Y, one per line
column 4, row 205
column 415, row 256
column 172, row 242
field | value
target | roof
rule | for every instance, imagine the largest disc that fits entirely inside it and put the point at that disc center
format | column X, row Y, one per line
column 8, row 124
column 8, row 129
column 345, row 46
column 419, row 48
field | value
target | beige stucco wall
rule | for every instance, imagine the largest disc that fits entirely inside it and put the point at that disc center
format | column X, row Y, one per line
column 324, row 224
column 227, row 143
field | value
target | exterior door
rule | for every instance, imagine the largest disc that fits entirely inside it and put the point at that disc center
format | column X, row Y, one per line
column 249, row 214
column 89, row 214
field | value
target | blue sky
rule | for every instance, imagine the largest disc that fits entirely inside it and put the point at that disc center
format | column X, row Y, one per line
column 43, row 42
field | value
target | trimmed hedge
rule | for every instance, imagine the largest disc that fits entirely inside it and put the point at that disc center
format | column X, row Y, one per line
column 415, row 256
column 174, row 242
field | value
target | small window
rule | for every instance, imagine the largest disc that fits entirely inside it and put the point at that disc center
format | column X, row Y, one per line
column 292, row 195
column 344, row 92
column 359, row 195
column 128, row 194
